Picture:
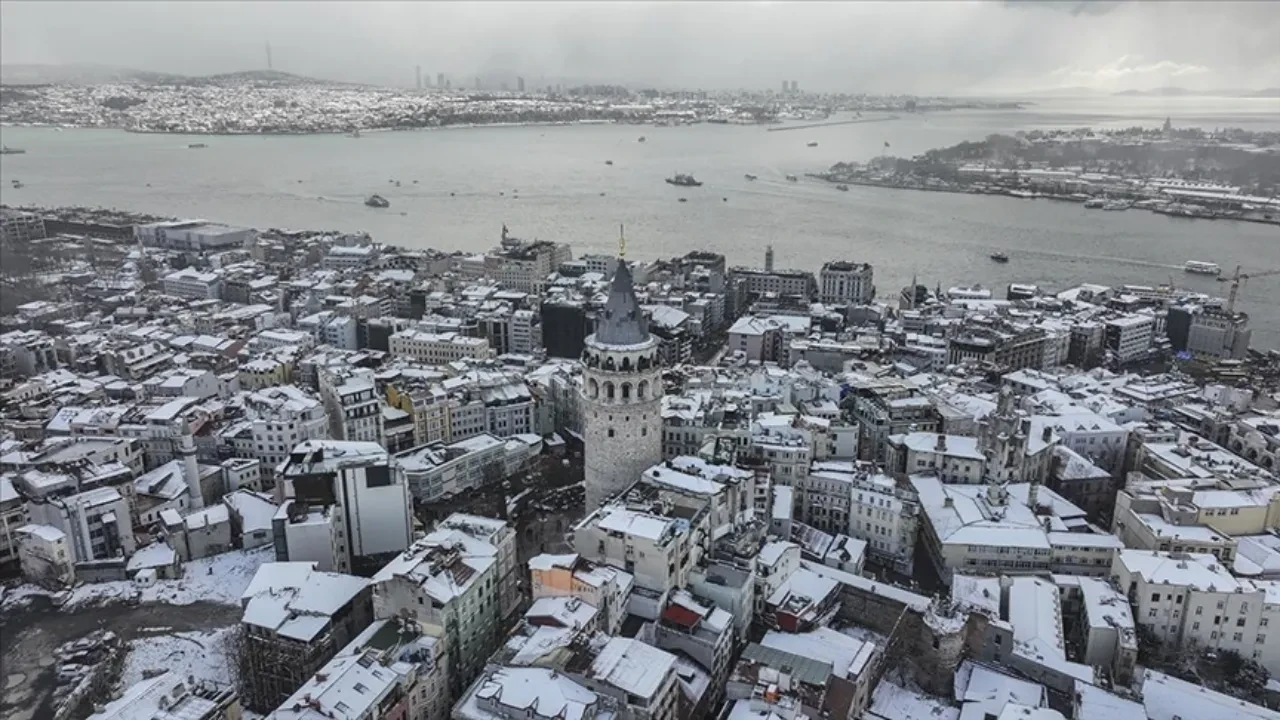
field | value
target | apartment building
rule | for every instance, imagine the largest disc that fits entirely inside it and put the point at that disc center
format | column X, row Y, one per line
column 1192, row 601
column 841, row 283
column 437, row 348
column 346, row 511
column 602, row 587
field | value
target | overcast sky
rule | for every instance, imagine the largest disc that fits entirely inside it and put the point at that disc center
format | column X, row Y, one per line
column 930, row 47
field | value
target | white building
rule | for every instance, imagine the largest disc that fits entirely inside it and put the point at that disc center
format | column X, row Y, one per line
column 842, row 283
column 44, row 556
column 353, row 405
column 1191, row 601
column 350, row 484
column 1129, row 337
column 96, row 522
column 602, row 587
column 438, row 471
column 437, row 348
column 192, row 284
column 654, row 549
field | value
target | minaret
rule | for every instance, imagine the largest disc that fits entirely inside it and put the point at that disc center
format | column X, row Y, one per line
column 190, row 468
column 621, row 392
column 269, row 56
column 768, row 258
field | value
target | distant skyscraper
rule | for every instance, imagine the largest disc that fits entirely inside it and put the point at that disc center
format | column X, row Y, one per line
column 520, row 84
column 478, row 85
column 784, row 87
column 419, row 76
column 439, row 80
column 795, row 86
column 269, row 55
column 768, row 258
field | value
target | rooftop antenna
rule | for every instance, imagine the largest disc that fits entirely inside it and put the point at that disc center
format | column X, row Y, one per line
column 269, row 55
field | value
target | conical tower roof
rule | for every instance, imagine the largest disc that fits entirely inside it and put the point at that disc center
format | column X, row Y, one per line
column 622, row 322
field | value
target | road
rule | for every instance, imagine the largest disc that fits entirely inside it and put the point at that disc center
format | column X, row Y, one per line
column 29, row 636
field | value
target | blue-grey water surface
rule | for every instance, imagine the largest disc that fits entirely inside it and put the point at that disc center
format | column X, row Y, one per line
column 547, row 182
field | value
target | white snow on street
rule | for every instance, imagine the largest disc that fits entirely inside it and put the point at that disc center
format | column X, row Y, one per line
column 200, row 654
column 218, row 579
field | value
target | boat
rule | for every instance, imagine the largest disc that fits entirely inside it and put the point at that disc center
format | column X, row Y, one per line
column 1095, row 204
column 196, row 146
column 1196, row 267
column 608, row 162
column 641, row 139
column 749, row 176
column 792, row 178
column 842, row 187
column 377, row 201
column 17, row 184
column 999, row 257
column 812, row 144
column 1116, row 205
column 684, row 199
column 354, row 133
column 6, row 150
column 684, row 180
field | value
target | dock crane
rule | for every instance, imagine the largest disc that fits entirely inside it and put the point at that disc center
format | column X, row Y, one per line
column 1239, row 277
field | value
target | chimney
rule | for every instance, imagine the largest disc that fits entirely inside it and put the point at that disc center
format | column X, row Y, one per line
column 1047, row 433
column 942, row 443
column 191, row 469
column 1033, row 496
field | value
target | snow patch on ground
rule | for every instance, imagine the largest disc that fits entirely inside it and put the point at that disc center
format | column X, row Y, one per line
column 199, row 654
column 218, row 579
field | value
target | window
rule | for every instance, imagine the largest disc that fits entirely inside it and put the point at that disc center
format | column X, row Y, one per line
column 1195, row 626
column 1237, row 637
column 1261, row 639
column 1155, row 597
column 610, row 432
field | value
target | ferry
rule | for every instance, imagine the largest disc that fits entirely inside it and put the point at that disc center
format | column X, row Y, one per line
column 749, row 176
column 812, row 144
column 1095, row 204
column 1116, row 205
column 842, row 187
column 377, row 201
column 606, row 162
column 999, row 257
column 792, row 178
column 641, row 139
column 684, row 180
column 6, row 150
column 1197, row 267
column 196, row 146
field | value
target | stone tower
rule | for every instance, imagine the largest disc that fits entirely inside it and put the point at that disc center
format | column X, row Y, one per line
column 621, row 395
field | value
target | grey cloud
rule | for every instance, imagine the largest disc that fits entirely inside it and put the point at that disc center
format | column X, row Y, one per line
column 930, row 47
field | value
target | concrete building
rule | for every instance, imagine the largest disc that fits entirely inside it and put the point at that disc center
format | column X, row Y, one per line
column 169, row 695
column 353, row 405
column 1129, row 337
column 654, row 549
column 390, row 671
column 621, row 395
column 20, row 227
column 193, row 235
column 97, row 523
column 451, row 592
column 13, row 515
column 1190, row 601
column 192, row 284
column 346, row 509
column 44, row 556
column 885, row 409
column 843, row 283
column 604, row 588
column 437, row 348
column 439, row 471
column 513, row 693
column 296, row 619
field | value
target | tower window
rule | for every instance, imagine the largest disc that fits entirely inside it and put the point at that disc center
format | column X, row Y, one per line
column 610, row 432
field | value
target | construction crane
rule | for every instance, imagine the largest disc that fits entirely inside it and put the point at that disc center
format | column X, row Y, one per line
column 1235, row 281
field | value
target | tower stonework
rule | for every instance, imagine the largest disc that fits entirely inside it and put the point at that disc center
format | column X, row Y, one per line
column 621, row 395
